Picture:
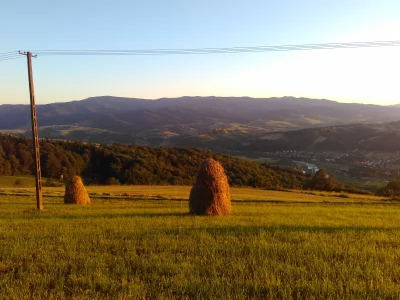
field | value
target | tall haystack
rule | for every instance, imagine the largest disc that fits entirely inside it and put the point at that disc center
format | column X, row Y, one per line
column 210, row 194
column 75, row 192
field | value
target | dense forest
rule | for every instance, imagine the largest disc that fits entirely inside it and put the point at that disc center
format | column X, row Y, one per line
column 130, row 164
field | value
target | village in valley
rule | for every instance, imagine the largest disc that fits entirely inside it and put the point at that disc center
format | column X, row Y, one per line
column 361, row 168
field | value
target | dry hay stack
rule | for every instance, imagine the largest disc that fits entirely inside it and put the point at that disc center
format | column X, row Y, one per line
column 210, row 194
column 75, row 192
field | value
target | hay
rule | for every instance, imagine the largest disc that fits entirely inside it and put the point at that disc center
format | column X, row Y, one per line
column 210, row 194
column 75, row 192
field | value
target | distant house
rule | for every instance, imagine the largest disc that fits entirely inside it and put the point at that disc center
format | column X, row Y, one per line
column 312, row 170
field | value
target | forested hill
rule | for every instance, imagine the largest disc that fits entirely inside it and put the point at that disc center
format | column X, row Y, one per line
column 133, row 164
column 222, row 124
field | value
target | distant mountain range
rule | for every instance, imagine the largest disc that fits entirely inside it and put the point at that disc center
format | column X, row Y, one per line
column 218, row 123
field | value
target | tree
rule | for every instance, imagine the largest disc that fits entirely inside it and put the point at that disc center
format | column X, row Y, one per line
column 112, row 181
column 7, row 168
column 15, row 164
column 322, row 181
column 392, row 189
column 135, row 164
column 51, row 166
column 2, row 160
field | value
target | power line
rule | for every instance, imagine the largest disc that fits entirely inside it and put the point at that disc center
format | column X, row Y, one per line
column 9, row 55
column 9, row 58
column 331, row 46
column 10, row 52
column 227, row 50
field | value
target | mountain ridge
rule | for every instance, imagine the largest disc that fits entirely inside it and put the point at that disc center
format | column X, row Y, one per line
column 191, row 121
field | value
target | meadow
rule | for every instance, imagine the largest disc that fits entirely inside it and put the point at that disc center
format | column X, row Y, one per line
column 17, row 181
column 139, row 242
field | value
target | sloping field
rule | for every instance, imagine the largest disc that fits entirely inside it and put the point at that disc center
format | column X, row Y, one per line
column 138, row 247
column 146, row 192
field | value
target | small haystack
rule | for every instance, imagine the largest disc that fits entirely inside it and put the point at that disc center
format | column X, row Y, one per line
column 210, row 194
column 75, row 192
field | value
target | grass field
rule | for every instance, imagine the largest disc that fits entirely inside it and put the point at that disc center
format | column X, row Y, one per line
column 17, row 181
column 139, row 242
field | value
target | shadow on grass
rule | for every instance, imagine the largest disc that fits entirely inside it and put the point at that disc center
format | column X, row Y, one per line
column 256, row 230
column 103, row 199
column 32, row 214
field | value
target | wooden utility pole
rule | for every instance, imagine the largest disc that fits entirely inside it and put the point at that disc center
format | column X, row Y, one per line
column 35, row 136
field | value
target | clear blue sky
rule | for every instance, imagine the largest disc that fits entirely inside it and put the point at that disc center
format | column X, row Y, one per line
column 355, row 75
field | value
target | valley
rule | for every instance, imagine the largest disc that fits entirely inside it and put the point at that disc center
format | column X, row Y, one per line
column 358, row 143
column 215, row 123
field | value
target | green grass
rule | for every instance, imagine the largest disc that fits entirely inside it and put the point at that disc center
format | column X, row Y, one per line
column 17, row 181
column 131, row 249
column 181, row 193
column 371, row 184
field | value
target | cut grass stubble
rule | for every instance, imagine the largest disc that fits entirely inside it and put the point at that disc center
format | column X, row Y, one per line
column 154, row 249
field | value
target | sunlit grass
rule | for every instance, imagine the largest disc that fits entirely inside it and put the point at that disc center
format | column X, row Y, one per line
column 126, row 248
column 182, row 193
column 17, row 181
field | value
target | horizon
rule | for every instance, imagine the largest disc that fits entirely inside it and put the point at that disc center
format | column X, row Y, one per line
column 186, row 96
column 364, row 75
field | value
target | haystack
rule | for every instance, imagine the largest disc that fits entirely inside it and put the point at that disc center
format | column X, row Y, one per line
column 210, row 194
column 75, row 192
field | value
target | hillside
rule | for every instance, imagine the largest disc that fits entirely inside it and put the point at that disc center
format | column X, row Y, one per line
column 384, row 137
column 186, row 120
column 134, row 164
column 369, row 137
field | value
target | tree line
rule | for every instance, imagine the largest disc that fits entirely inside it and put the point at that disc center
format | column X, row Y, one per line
column 133, row 164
